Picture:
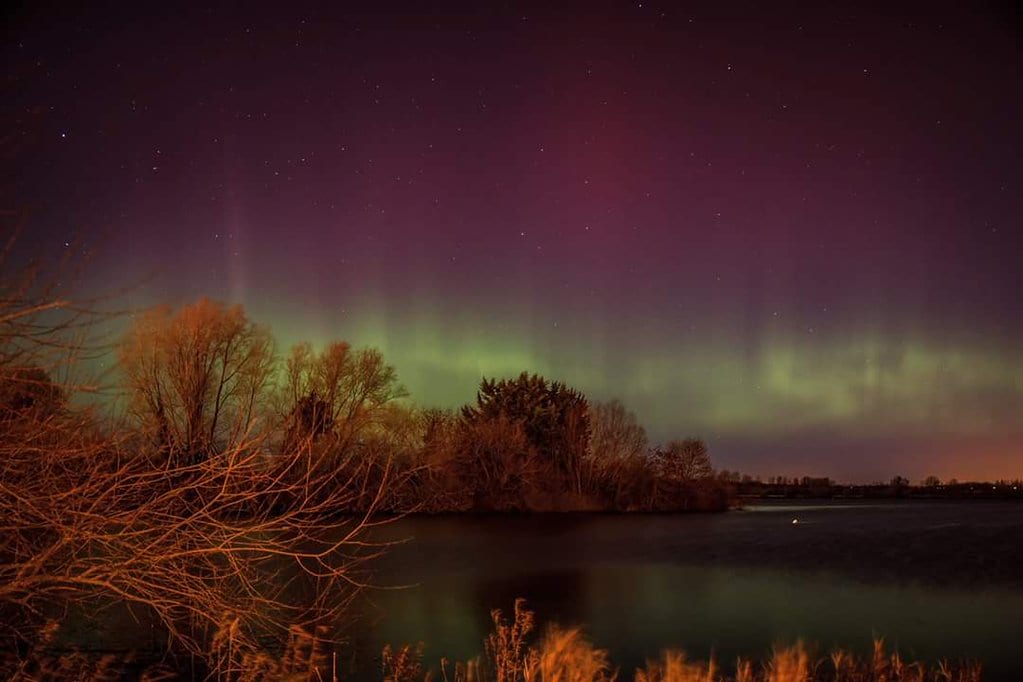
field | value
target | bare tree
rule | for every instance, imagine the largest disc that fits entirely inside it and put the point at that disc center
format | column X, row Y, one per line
column 196, row 376
column 616, row 433
column 618, row 446
column 41, row 327
column 339, row 391
column 684, row 460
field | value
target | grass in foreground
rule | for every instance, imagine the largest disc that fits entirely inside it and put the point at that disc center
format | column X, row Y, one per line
column 510, row 654
column 565, row 655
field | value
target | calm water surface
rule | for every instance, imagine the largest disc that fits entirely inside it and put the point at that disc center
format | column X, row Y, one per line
column 941, row 579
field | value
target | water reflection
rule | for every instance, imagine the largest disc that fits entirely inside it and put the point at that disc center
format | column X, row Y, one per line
column 729, row 585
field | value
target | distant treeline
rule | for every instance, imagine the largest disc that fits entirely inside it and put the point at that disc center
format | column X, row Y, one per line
column 808, row 487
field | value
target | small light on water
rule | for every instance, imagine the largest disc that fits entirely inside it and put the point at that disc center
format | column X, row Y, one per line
column 795, row 522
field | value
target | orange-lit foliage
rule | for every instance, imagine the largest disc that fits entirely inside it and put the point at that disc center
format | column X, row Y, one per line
column 554, row 418
column 213, row 534
column 338, row 392
column 197, row 377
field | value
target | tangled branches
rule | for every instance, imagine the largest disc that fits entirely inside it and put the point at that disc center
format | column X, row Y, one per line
column 90, row 514
column 85, row 518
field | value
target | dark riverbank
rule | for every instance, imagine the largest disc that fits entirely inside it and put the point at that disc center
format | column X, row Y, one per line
column 808, row 488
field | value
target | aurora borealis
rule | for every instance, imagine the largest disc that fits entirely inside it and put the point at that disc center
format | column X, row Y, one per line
column 794, row 231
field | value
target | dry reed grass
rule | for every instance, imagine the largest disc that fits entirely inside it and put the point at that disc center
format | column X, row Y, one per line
column 673, row 666
column 565, row 655
column 511, row 654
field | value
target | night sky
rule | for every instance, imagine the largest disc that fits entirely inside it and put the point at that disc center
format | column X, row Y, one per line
column 794, row 231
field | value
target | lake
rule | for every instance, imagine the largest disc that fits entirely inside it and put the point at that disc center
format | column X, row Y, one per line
column 935, row 579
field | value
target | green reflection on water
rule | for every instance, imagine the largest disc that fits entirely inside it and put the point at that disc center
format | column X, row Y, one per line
column 636, row 604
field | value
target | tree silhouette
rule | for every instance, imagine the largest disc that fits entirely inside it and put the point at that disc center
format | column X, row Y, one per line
column 616, row 433
column 684, row 460
column 29, row 389
column 554, row 418
column 618, row 446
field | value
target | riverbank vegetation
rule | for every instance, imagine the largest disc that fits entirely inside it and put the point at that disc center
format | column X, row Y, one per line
column 204, row 380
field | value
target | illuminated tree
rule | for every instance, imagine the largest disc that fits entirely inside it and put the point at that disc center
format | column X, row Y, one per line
column 339, row 391
column 197, row 377
column 203, row 547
